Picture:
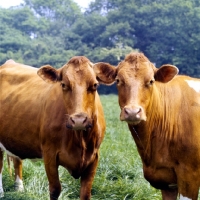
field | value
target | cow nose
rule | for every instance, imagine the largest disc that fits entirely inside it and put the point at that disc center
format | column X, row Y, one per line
column 78, row 122
column 131, row 115
column 133, row 112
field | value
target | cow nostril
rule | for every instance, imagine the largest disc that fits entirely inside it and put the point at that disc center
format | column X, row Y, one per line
column 139, row 110
column 127, row 110
column 138, row 113
column 84, row 121
column 73, row 122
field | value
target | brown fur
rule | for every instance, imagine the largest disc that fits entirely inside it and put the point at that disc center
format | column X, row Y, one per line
column 163, row 114
column 59, row 119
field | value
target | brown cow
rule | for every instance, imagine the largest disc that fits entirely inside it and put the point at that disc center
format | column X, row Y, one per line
column 59, row 119
column 17, row 164
column 162, row 110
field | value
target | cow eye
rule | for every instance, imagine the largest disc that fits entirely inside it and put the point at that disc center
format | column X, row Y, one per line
column 151, row 82
column 117, row 80
column 96, row 85
column 63, row 85
column 93, row 87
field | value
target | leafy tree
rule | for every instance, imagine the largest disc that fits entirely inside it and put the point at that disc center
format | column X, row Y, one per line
column 167, row 31
column 51, row 32
column 90, row 29
column 15, row 32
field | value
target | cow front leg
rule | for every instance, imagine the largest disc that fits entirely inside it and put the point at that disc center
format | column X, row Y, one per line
column 18, row 174
column 87, row 179
column 9, row 160
column 189, row 190
column 170, row 194
column 1, row 170
column 53, row 178
column 188, row 182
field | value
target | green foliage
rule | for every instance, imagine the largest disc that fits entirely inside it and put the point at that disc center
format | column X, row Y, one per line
column 172, row 29
column 166, row 31
column 119, row 174
column 51, row 32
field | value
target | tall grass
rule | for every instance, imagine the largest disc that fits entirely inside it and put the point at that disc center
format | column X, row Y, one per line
column 119, row 175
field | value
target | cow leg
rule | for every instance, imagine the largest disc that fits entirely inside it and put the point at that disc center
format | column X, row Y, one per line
column 18, row 174
column 53, row 178
column 9, row 159
column 188, row 182
column 170, row 194
column 1, row 170
column 87, row 179
column 189, row 191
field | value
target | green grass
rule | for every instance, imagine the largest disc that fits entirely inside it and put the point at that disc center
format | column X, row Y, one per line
column 119, row 174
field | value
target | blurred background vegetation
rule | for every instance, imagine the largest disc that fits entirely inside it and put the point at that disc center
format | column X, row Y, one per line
column 41, row 32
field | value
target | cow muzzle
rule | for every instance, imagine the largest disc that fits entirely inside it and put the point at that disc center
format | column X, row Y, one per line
column 132, row 115
column 79, row 121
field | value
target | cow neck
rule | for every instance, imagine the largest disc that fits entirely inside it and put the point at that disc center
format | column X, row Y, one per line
column 163, row 127
column 137, row 138
column 83, row 136
column 83, row 139
column 148, row 133
column 163, row 109
column 141, row 140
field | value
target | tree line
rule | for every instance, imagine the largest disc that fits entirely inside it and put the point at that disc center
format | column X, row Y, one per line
column 41, row 32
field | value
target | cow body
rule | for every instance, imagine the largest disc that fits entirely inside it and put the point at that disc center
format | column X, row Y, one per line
column 59, row 119
column 162, row 110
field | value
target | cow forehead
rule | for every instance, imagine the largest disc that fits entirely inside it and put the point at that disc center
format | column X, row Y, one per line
column 136, row 64
column 135, row 70
column 79, row 73
column 79, row 69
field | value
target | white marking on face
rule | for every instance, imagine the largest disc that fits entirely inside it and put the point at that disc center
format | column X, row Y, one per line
column 8, row 152
column 194, row 84
column 184, row 198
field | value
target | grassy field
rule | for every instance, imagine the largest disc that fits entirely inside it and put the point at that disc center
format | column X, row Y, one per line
column 119, row 175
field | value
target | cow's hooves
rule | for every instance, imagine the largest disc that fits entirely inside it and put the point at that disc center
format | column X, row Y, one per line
column 19, row 187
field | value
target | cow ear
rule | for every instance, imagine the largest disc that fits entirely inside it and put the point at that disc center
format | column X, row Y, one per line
column 48, row 74
column 166, row 73
column 105, row 73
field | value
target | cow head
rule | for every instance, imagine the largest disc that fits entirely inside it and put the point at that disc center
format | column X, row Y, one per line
column 135, row 78
column 79, row 87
